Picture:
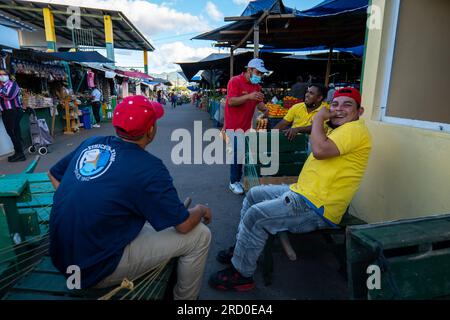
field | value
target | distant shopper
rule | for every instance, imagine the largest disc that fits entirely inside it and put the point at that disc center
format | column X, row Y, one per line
column 96, row 96
column 298, row 90
column 244, row 95
column 12, row 111
column 331, row 91
column 173, row 99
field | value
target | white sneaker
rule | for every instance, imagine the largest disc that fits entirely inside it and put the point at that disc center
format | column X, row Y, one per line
column 236, row 188
column 96, row 125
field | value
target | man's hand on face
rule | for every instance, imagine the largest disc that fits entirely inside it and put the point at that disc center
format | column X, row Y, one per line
column 258, row 96
column 324, row 115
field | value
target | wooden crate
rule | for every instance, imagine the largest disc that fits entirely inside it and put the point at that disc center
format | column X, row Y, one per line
column 291, row 154
column 414, row 256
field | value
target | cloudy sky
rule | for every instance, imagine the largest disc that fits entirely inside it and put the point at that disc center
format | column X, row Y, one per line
column 170, row 24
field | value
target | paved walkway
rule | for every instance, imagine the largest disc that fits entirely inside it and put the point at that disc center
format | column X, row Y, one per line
column 313, row 276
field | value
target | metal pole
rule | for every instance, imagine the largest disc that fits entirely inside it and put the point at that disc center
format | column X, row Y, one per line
column 231, row 62
column 256, row 40
column 327, row 75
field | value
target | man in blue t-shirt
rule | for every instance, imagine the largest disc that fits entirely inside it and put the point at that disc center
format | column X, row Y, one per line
column 116, row 213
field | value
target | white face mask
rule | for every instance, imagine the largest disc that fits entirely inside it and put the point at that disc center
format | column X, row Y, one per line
column 4, row 78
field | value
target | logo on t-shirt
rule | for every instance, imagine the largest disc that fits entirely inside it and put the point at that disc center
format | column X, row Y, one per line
column 94, row 161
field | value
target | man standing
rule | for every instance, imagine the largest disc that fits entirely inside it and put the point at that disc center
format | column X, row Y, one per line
column 300, row 116
column 244, row 95
column 96, row 105
column 298, row 90
column 326, row 185
column 116, row 213
column 12, row 112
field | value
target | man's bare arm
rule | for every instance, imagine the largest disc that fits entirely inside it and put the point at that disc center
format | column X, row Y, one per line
column 53, row 180
column 196, row 214
column 322, row 147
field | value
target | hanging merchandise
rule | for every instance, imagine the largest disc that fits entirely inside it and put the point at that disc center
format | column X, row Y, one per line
column 90, row 79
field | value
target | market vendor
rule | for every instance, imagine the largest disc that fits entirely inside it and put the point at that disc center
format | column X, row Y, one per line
column 243, row 97
column 96, row 97
column 12, row 112
column 329, row 180
column 300, row 116
column 116, row 213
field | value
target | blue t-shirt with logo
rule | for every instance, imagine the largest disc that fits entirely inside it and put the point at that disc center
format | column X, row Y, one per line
column 109, row 188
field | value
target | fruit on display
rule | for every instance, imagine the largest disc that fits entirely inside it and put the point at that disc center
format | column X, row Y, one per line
column 261, row 123
column 289, row 101
column 276, row 111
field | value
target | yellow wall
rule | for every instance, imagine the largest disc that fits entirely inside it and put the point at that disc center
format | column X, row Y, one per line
column 409, row 169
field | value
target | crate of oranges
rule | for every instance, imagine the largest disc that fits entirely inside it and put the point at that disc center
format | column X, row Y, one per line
column 289, row 101
column 276, row 111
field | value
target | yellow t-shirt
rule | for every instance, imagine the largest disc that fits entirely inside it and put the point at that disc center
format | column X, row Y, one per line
column 299, row 115
column 332, row 183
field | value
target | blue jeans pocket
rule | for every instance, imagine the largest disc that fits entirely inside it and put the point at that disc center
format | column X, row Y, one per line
column 295, row 203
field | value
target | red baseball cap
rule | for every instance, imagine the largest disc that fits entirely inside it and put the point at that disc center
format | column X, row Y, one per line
column 135, row 115
column 348, row 92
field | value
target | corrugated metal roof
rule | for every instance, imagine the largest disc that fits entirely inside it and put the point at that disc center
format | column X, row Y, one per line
column 126, row 35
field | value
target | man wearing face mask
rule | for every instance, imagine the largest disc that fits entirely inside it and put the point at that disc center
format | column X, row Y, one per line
column 243, row 96
column 12, row 112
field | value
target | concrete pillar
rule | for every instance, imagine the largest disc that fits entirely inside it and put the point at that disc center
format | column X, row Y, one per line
column 146, row 61
column 50, row 35
column 109, row 37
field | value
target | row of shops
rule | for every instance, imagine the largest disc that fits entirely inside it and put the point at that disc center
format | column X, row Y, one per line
column 47, row 80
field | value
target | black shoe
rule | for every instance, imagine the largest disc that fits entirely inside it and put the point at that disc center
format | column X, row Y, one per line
column 12, row 157
column 224, row 256
column 17, row 158
column 230, row 279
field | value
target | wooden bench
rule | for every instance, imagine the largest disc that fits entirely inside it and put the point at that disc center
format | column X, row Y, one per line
column 267, row 258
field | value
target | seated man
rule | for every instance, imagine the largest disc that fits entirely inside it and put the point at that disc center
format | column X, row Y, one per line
column 300, row 115
column 325, row 188
column 116, row 213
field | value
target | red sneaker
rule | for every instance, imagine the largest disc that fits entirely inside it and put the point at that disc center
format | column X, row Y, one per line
column 230, row 279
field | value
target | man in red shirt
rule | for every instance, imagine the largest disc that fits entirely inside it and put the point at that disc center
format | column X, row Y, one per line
column 244, row 95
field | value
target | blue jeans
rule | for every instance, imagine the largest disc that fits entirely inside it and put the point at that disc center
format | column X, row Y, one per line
column 235, row 168
column 270, row 209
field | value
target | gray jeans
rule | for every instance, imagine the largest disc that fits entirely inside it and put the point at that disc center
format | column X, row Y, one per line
column 270, row 209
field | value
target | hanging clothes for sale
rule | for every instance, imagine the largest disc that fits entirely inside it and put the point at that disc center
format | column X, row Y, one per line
column 90, row 79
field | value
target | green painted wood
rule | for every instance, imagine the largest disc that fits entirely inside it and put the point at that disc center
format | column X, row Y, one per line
column 31, row 177
column 46, row 266
column 406, row 234
column 421, row 276
column 12, row 187
column 284, row 169
column 417, row 251
column 43, row 282
column 41, row 187
column 32, row 166
column 30, row 223
column 38, row 200
column 5, row 241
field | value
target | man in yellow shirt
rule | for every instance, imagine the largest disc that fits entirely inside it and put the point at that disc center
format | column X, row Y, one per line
column 300, row 116
column 329, row 180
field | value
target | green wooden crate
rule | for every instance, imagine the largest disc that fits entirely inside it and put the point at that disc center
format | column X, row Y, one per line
column 414, row 256
column 291, row 154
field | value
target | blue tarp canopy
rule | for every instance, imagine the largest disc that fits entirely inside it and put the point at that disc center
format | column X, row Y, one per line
column 80, row 56
column 332, row 23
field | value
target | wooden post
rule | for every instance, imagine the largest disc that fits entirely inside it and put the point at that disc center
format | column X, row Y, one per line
column 256, row 40
column 327, row 75
column 231, row 62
